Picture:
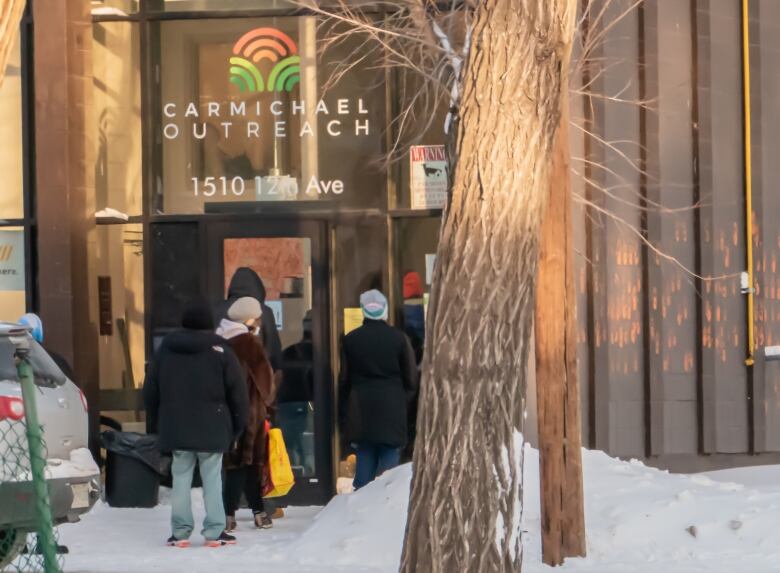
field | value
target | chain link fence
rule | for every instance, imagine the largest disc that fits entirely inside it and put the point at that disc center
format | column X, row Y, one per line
column 28, row 542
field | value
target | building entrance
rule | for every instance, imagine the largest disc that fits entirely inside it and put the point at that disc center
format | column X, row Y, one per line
column 291, row 259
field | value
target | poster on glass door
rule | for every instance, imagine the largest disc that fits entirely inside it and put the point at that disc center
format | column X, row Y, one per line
column 12, row 261
column 428, row 176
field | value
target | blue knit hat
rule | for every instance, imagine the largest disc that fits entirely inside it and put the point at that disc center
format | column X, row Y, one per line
column 36, row 326
column 374, row 305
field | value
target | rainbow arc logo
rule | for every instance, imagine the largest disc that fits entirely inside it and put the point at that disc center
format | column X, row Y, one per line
column 253, row 49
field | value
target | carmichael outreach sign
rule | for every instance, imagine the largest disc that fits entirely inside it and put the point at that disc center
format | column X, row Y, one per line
column 266, row 61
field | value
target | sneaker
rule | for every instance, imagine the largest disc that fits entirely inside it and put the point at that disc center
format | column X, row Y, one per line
column 278, row 513
column 180, row 543
column 230, row 524
column 221, row 541
column 262, row 521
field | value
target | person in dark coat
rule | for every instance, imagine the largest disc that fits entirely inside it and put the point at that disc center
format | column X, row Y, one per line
column 377, row 382
column 196, row 402
column 244, row 464
column 414, row 312
column 246, row 282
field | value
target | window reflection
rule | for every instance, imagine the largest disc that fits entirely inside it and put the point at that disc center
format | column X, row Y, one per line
column 295, row 411
column 11, row 156
column 115, row 52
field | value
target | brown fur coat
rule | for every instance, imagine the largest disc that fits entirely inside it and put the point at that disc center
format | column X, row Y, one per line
column 250, row 448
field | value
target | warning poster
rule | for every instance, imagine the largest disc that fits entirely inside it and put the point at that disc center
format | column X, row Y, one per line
column 428, row 174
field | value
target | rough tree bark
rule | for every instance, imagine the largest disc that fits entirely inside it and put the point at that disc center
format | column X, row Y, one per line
column 466, row 500
column 558, row 403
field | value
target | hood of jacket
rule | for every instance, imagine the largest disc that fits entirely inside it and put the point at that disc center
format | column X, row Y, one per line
column 246, row 282
column 230, row 329
column 192, row 341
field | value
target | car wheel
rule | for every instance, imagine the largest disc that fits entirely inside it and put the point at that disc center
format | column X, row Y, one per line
column 12, row 542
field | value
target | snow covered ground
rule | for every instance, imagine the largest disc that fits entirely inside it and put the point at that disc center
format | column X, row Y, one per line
column 640, row 520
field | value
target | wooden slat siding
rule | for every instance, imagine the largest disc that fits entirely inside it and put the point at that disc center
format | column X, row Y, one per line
column 766, row 172
column 724, row 383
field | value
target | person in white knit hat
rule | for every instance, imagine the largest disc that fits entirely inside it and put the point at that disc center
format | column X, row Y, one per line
column 244, row 463
column 378, row 380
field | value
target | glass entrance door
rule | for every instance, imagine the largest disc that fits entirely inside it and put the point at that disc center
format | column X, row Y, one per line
column 291, row 261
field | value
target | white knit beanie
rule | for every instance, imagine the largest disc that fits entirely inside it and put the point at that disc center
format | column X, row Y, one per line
column 244, row 309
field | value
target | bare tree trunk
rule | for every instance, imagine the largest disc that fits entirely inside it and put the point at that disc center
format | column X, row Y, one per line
column 560, row 441
column 466, row 500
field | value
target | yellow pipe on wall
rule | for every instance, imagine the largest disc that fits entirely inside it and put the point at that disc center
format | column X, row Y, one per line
column 748, row 181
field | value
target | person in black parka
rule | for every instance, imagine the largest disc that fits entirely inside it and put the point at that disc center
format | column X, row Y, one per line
column 196, row 402
column 378, row 380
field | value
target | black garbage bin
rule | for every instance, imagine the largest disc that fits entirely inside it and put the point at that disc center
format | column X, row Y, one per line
column 133, row 469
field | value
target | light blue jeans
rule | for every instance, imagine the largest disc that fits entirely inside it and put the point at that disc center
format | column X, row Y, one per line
column 182, row 521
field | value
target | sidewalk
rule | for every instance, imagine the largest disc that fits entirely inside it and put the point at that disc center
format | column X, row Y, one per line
column 133, row 541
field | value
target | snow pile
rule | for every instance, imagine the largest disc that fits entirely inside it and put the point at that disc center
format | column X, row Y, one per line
column 80, row 465
column 364, row 528
column 639, row 520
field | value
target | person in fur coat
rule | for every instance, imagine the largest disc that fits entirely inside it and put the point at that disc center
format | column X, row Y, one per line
column 244, row 462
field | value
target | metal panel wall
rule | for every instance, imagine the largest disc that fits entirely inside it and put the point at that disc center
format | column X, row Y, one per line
column 765, row 53
column 724, row 377
column 670, row 286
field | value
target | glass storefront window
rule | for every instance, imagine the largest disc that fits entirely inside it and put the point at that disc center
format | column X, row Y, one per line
column 247, row 112
column 360, row 265
column 120, row 270
column 13, row 301
column 11, row 153
column 428, row 131
column 118, row 107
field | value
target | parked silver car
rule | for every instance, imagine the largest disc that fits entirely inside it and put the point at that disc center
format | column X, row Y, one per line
column 71, row 471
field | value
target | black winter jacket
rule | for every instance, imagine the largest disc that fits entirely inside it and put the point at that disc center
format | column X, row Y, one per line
column 195, row 393
column 246, row 282
column 378, row 380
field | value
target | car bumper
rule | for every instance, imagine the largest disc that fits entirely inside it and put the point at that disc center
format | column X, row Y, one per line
column 69, row 498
